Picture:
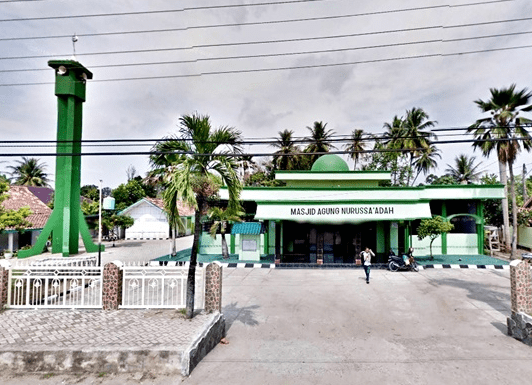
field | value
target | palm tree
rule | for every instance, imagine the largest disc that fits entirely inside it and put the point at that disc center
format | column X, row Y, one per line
column 190, row 166
column 320, row 141
column 465, row 170
column 287, row 156
column 393, row 138
column 504, row 132
column 426, row 161
column 416, row 139
column 408, row 135
column 29, row 172
column 221, row 220
column 356, row 145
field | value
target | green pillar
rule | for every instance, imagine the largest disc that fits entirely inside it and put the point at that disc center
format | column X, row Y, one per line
column 407, row 236
column 480, row 227
column 67, row 221
column 444, row 235
column 381, row 238
column 232, row 244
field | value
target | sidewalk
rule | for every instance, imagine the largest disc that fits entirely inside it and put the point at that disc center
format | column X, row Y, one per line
column 97, row 341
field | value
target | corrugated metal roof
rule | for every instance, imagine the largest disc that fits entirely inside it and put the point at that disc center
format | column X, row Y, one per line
column 251, row 228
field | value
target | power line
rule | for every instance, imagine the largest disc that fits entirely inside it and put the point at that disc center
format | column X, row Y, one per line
column 150, row 50
column 227, row 25
column 245, row 141
column 179, row 10
column 212, row 7
column 246, row 56
column 237, row 57
column 241, row 154
column 273, row 69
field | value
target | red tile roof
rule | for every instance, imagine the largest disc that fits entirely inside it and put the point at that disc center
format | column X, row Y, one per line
column 184, row 210
column 21, row 196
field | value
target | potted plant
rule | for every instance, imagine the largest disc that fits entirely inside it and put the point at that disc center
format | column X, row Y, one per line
column 8, row 254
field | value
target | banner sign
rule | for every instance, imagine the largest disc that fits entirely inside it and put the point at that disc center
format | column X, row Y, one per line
column 343, row 213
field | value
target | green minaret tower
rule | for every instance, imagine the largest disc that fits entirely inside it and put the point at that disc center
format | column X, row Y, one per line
column 67, row 221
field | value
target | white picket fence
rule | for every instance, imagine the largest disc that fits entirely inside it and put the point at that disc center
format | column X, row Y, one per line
column 55, row 284
column 149, row 285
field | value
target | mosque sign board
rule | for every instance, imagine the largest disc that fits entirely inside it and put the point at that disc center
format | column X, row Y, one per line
column 343, row 212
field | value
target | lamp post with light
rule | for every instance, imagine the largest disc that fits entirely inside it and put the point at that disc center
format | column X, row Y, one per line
column 107, row 204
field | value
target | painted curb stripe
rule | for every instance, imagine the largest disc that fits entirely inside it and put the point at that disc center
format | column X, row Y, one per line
column 301, row 266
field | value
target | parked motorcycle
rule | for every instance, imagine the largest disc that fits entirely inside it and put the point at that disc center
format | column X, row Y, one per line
column 406, row 262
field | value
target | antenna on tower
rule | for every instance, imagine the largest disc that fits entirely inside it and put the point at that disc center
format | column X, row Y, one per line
column 74, row 40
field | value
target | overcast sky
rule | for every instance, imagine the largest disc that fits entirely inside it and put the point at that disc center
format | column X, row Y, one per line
column 376, row 84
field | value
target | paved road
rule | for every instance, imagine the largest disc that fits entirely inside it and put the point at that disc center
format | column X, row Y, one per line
column 130, row 251
column 330, row 327
column 139, row 251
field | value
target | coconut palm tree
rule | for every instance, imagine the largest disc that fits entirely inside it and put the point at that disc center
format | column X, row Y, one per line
column 409, row 135
column 29, row 172
column 190, row 166
column 416, row 139
column 221, row 218
column 426, row 161
column 465, row 170
column 320, row 141
column 393, row 137
column 356, row 145
column 503, row 132
column 287, row 156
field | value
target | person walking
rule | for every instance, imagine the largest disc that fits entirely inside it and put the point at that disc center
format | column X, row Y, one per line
column 366, row 258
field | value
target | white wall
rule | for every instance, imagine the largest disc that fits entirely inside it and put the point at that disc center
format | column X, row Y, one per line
column 150, row 222
column 422, row 248
column 462, row 244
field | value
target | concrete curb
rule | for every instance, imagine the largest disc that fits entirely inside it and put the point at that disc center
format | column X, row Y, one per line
column 384, row 266
column 168, row 359
column 91, row 360
column 203, row 343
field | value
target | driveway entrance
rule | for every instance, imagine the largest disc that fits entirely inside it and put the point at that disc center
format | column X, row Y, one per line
column 329, row 327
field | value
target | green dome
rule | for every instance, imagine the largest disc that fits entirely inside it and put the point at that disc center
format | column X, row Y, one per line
column 330, row 163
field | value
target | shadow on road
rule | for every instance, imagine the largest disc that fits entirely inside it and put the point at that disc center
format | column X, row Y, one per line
column 245, row 315
column 503, row 328
column 125, row 244
column 497, row 297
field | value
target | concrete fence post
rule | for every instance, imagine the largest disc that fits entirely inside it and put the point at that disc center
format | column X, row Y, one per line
column 112, row 285
column 521, row 286
column 4, row 283
column 213, row 287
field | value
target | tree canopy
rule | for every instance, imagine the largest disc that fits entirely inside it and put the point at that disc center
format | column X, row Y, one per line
column 12, row 218
column 29, row 172
column 433, row 228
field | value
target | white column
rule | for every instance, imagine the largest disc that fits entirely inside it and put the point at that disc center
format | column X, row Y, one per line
column 10, row 241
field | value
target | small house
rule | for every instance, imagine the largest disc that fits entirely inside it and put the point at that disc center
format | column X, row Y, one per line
column 22, row 196
column 151, row 222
